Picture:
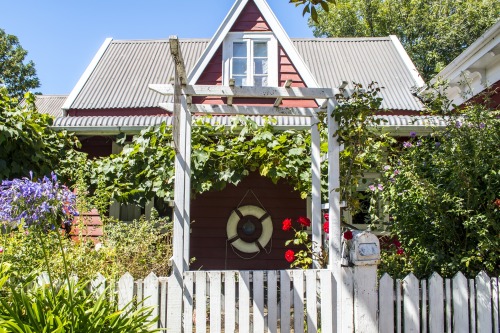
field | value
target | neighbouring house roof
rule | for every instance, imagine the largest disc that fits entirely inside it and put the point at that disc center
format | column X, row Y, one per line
column 121, row 75
column 49, row 104
column 476, row 69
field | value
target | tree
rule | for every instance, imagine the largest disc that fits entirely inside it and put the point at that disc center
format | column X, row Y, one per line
column 16, row 75
column 432, row 32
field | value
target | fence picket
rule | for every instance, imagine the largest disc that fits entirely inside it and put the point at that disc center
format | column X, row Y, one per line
column 398, row 306
column 285, row 301
column 411, row 302
column 447, row 290
column 200, row 299
column 298, row 301
column 151, row 294
column 188, row 302
column 460, row 304
column 386, row 304
column 347, row 300
column 272, row 302
column 436, row 304
column 326, row 299
column 311, row 301
column 258, row 301
column 98, row 285
column 472, row 305
column 424, row 306
column 163, row 302
column 494, row 298
column 244, row 302
column 229, row 301
column 215, row 301
column 125, row 291
column 483, row 294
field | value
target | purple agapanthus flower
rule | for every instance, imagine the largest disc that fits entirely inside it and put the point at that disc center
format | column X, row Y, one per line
column 413, row 134
column 482, row 125
column 407, row 144
column 458, row 124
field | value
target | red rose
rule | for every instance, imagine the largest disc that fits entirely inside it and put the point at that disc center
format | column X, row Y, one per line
column 304, row 221
column 348, row 235
column 290, row 255
column 326, row 216
column 397, row 243
column 326, row 227
column 400, row 251
column 287, row 224
column 497, row 202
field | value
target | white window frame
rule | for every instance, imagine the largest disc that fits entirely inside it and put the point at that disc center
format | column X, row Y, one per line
column 227, row 54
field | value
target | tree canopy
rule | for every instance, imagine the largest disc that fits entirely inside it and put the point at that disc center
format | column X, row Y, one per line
column 17, row 75
column 432, row 32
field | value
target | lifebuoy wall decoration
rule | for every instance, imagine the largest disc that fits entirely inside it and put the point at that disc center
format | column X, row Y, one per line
column 249, row 229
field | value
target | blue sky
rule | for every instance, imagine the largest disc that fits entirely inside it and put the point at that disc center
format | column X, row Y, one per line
column 61, row 37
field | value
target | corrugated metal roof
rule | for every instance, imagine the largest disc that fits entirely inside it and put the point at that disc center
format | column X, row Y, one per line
column 49, row 104
column 361, row 60
column 106, row 125
column 122, row 76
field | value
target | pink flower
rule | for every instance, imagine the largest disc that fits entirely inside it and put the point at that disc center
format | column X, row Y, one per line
column 380, row 187
column 348, row 235
column 287, row 224
column 326, row 227
column 1, row 250
column 304, row 221
column 290, row 255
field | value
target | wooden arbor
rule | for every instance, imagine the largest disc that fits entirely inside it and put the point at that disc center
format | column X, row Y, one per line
column 182, row 108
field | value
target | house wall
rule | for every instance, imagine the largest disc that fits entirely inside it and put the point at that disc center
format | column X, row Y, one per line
column 210, row 213
column 97, row 146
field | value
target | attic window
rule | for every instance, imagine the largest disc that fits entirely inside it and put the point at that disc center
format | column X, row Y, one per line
column 251, row 59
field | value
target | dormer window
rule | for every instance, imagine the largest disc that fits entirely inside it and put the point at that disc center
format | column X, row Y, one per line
column 251, row 59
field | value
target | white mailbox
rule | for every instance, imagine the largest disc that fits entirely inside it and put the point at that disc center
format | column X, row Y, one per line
column 364, row 249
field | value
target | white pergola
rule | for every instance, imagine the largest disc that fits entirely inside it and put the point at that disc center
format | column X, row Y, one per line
column 182, row 108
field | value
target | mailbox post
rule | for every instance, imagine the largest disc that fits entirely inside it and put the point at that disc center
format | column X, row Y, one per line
column 364, row 255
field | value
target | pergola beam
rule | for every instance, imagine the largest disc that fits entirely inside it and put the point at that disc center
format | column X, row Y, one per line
column 248, row 92
column 223, row 109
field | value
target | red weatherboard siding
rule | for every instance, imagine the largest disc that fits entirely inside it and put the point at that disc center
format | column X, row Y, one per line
column 210, row 213
column 97, row 146
column 250, row 19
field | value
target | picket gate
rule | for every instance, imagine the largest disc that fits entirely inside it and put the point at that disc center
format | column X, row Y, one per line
column 303, row 301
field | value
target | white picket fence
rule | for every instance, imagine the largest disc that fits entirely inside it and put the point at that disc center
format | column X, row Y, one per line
column 302, row 301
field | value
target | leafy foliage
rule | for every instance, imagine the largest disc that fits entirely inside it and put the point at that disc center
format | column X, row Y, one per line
column 310, row 6
column 28, row 144
column 443, row 195
column 432, row 32
column 15, row 74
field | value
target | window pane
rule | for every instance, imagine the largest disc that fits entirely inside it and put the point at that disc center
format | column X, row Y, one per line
column 260, row 81
column 239, row 66
column 260, row 49
column 260, row 66
column 240, row 80
column 240, row 49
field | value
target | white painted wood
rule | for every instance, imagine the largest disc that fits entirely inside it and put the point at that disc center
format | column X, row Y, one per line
column 98, row 284
column 151, row 294
column 174, row 302
column 316, row 192
column 215, row 301
column 326, row 300
column 248, row 92
column 334, row 243
column 347, row 300
column 285, row 301
column 436, row 304
column 472, row 305
column 411, row 304
column 423, row 287
column 125, row 291
column 229, row 301
column 448, row 304
column 298, row 300
column 386, row 304
column 460, row 304
column 139, row 294
column 494, row 299
column 200, row 299
column 258, row 301
column 365, row 299
column 311, row 300
column 163, row 302
column 244, row 302
column 483, row 297
column 187, row 185
column 399, row 319
column 224, row 109
column 272, row 301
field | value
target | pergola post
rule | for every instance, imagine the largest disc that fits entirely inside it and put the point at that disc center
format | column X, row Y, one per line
column 316, row 189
